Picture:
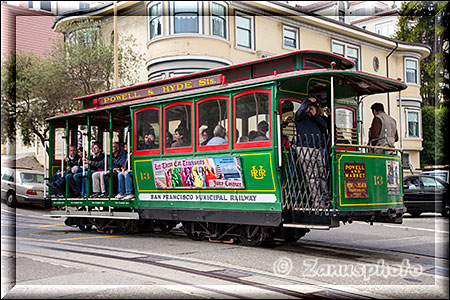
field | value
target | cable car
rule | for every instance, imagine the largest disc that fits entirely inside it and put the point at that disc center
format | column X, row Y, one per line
column 219, row 151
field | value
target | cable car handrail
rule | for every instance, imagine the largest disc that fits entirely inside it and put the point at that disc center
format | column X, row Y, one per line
column 351, row 128
column 367, row 146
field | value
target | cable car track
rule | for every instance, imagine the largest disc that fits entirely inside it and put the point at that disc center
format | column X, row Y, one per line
column 228, row 275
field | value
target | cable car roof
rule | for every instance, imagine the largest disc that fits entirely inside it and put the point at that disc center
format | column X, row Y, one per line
column 347, row 84
column 319, row 58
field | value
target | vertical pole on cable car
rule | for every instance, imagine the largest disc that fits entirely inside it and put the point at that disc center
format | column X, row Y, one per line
column 45, row 169
column 83, row 141
column 88, row 178
column 129, row 149
column 332, row 132
column 105, row 148
column 62, row 162
column 400, row 119
column 332, row 103
column 66, row 194
column 360, row 121
column 111, row 175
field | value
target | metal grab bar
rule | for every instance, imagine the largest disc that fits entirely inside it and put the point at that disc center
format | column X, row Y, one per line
column 366, row 146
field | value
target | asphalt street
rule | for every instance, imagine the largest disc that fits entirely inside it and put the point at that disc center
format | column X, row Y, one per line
column 43, row 258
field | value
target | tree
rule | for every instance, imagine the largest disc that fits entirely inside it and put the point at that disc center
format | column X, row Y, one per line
column 34, row 88
column 422, row 22
column 32, row 91
column 433, row 123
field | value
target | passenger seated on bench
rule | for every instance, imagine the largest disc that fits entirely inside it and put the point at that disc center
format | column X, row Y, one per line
column 125, row 181
column 219, row 136
column 181, row 138
column 96, row 161
column 149, row 142
column 118, row 158
column 58, row 179
column 263, row 127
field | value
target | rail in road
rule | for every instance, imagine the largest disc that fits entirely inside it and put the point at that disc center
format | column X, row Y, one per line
column 200, row 278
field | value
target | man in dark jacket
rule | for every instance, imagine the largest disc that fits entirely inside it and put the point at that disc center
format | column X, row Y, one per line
column 73, row 165
column 310, row 127
column 96, row 162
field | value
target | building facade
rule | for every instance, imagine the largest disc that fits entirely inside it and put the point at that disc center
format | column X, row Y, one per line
column 183, row 37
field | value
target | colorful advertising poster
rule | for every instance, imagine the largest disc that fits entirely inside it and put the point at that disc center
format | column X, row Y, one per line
column 393, row 177
column 355, row 180
column 203, row 173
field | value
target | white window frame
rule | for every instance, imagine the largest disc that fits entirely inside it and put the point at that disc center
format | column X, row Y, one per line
column 172, row 18
column 227, row 20
column 284, row 46
column 419, row 125
column 388, row 25
column 252, row 31
column 160, row 16
column 417, row 83
column 346, row 45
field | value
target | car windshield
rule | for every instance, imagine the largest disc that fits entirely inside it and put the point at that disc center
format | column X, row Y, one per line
column 32, row 178
column 431, row 183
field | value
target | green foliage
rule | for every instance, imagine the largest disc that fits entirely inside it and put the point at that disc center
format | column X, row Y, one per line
column 422, row 22
column 88, row 54
column 433, row 124
column 34, row 88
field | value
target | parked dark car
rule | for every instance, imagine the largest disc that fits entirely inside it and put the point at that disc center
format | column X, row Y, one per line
column 424, row 193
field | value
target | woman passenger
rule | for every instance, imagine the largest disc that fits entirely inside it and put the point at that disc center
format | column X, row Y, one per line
column 180, row 138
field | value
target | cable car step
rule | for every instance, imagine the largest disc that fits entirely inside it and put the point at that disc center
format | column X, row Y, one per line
column 309, row 226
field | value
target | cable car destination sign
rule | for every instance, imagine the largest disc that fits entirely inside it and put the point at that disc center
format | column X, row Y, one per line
column 161, row 90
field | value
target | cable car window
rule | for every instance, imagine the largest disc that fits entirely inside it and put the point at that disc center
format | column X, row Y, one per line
column 345, row 129
column 252, row 115
column 213, row 124
column 288, row 108
column 60, row 132
column 178, row 126
column 147, row 129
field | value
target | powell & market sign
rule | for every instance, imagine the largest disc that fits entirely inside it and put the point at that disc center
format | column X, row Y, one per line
column 161, row 90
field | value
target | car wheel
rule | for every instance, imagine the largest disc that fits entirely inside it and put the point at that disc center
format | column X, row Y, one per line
column 445, row 208
column 415, row 214
column 11, row 200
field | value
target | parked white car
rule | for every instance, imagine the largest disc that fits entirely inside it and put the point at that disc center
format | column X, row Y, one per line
column 23, row 186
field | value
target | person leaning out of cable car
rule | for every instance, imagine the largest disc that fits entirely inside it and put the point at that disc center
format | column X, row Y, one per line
column 125, row 189
column 310, row 127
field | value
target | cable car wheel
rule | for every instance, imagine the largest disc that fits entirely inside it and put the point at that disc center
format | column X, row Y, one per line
column 194, row 230
column 166, row 226
column 252, row 235
column 127, row 226
column 85, row 227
